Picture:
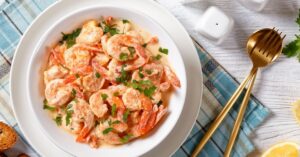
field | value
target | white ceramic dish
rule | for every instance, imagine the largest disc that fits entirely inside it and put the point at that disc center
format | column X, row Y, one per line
column 35, row 87
column 25, row 116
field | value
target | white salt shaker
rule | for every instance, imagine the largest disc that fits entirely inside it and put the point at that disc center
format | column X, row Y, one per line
column 255, row 5
column 215, row 25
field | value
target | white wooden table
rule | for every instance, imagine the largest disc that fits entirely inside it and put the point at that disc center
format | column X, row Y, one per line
column 278, row 85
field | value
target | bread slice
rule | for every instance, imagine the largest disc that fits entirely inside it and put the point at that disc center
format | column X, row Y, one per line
column 8, row 137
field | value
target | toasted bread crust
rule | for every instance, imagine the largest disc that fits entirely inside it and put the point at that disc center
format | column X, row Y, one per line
column 8, row 137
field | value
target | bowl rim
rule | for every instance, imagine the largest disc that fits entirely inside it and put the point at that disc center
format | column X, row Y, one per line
column 86, row 9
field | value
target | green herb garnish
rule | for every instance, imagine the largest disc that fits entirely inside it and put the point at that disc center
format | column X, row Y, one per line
column 116, row 93
column 149, row 91
column 125, row 21
column 47, row 107
column 97, row 75
column 125, row 115
column 132, row 51
column 145, row 45
column 73, row 92
column 126, row 138
column 113, row 110
column 104, row 97
column 163, row 50
column 58, row 120
column 69, row 113
column 293, row 48
column 70, row 38
column 148, row 71
column 123, row 57
column 77, row 75
column 107, row 130
column 157, row 57
column 141, row 75
column 124, row 76
column 159, row 103
column 112, row 31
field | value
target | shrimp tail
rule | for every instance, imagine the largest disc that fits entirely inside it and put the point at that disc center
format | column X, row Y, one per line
column 81, row 138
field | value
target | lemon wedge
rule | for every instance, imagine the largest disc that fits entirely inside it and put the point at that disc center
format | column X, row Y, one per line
column 296, row 110
column 285, row 149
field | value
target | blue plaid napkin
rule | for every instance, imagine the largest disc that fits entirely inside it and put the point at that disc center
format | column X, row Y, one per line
column 15, row 17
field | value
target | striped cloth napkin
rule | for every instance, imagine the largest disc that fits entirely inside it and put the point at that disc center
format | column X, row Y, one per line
column 15, row 17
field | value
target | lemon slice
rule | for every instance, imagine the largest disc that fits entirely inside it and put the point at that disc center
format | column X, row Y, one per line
column 296, row 110
column 285, row 149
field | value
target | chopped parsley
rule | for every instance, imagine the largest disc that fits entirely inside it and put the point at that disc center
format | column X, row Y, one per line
column 47, row 107
column 149, row 91
column 293, row 48
column 125, row 21
column 144, row 86
column 58, row 120
column 126, row 138
column 159, row 103
column 110, row 123
column 116, row 93
column 77, row 75
column 70, row 39
column 145, row 45
column 141, row 75
column 69, row 113
column 123, row 57
column 104, row 97
column 163, row 50
column 107, row 130
column 157, row 57
column 111, row 30
column 97, row 75
column 125, row 115
column 73, row 92
column 148, row 71
column 132, row 51
column 124, row 76
column 113, row 110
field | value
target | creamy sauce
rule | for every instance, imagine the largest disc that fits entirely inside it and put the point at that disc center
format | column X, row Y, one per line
column 153, row 49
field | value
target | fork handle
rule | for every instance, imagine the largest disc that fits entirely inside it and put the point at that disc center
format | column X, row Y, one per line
column 222, row 114
column 239, row 119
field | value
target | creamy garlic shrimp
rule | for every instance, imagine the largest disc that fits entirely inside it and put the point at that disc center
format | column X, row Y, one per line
column 108, row 82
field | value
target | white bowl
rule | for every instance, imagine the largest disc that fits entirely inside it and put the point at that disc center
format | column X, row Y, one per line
column 35, row 89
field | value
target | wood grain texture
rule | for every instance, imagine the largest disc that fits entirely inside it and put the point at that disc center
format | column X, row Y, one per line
column 276, row 86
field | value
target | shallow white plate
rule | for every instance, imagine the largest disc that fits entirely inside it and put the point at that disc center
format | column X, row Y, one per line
column 35, row 88
column 27, row 121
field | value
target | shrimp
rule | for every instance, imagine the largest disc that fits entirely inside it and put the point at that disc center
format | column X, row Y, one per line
column 104, row 40
column 90, row 33
column 85, row 115
column 110, row 74
column 119, row 45
column 118, row 125
column 101, row 59
column 54, row 72
column 131, row 99
column 143, row 58
column 171, row 77
column 97, row 104
column 110, row 137
column 153, row 72
column 137, row 36
column 77, row 59
column 92, row 83
column 57, row 92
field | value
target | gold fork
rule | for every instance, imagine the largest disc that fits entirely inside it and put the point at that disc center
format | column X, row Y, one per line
column 263, row 47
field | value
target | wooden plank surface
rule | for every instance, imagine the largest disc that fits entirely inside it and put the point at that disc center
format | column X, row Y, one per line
column 276, row 86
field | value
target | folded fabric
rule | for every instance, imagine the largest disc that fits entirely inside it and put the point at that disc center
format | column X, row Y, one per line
column 16, row 16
